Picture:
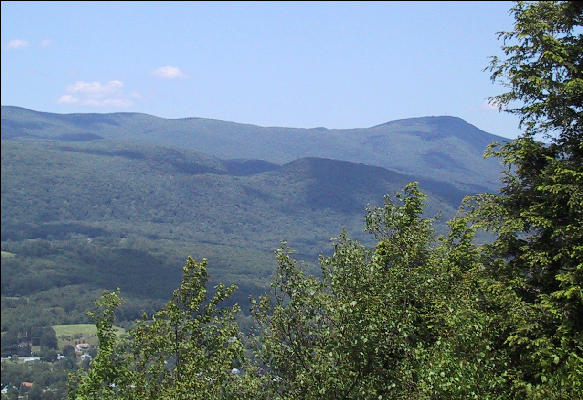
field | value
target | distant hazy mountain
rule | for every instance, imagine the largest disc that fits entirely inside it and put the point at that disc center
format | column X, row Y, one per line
column 442, row 148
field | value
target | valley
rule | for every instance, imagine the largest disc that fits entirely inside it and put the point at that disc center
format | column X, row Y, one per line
column 100, row 201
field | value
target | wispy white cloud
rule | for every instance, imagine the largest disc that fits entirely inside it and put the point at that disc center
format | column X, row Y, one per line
column 68, row 99
column 169, row 72
column 97, row 94
column 45, row 43
column 18, row 44
column 95, row 88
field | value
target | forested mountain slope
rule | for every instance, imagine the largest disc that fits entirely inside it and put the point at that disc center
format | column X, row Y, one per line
column 78, row 217
column 443, row 148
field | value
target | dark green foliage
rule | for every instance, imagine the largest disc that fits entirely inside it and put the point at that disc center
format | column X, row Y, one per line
column 537, row 258
column 543, row 70
column 19, row 337
column 107, row 370
column 44, row 337
column 54, row 193
column 187, row 350
column 45, row 375
column 408, row 319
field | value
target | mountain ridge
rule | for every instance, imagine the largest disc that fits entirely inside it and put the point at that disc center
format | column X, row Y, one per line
column 444, row 148
column 99, row 201
column 12, row 108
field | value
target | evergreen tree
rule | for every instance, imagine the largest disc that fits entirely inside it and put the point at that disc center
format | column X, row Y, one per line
column 537, row 258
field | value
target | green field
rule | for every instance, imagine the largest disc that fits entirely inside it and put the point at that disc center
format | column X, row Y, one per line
column 79, row 333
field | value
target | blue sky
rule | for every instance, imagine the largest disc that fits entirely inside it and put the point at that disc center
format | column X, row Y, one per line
column 307, row 64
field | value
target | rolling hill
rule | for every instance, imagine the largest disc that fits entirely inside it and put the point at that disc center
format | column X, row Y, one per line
column 99, row 201
column 441, row 148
